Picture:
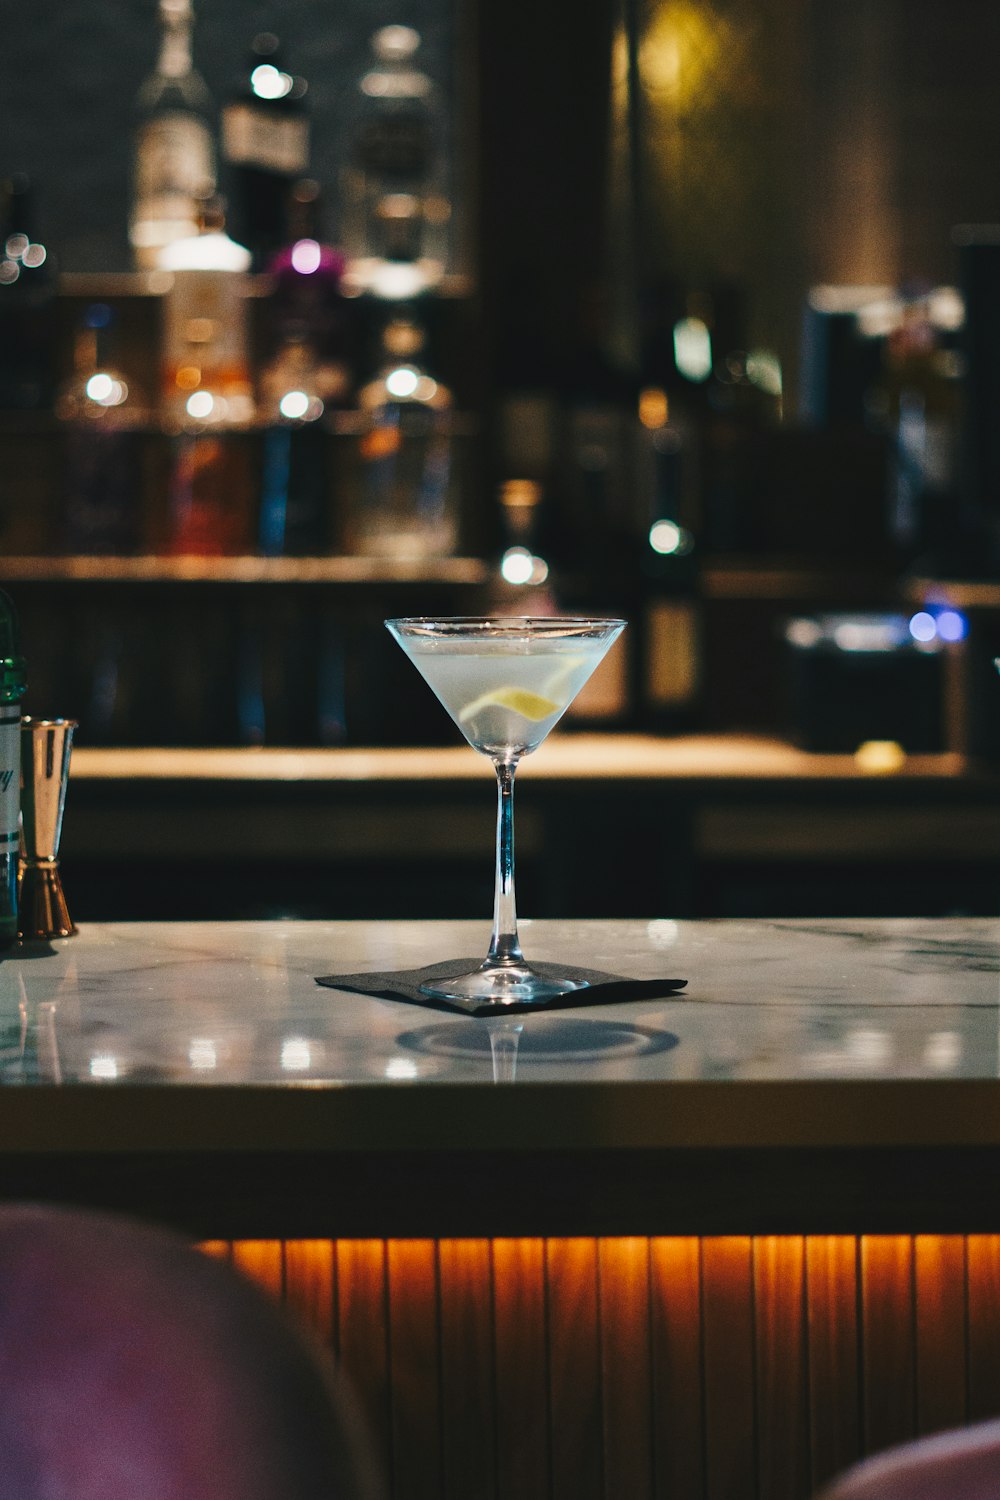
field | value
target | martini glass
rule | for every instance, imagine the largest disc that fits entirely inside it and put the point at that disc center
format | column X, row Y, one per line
column 506, row 681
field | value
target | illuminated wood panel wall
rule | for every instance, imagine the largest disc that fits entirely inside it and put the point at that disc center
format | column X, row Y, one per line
column 729, row 1368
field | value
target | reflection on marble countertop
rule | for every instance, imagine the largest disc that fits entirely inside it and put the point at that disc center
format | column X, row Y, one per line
column 237, row 1003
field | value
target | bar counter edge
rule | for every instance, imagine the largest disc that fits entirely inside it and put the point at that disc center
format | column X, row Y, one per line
column 560, row 1159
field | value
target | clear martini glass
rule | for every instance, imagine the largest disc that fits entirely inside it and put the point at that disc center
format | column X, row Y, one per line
column 506, row 681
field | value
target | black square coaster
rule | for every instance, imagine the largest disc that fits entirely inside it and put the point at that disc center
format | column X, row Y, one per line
column 404, row 984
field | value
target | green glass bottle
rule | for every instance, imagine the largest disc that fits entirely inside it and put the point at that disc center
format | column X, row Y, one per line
column 12, row 686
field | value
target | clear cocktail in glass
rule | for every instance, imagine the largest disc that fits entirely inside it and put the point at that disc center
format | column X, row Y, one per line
column 505, row 680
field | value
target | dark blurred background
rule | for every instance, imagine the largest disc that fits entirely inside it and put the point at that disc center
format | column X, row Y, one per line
column 707, row 293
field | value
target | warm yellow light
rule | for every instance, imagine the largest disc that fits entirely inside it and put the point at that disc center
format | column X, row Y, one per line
column 654, row 408
column 681, row 50
column 619, row 58
column 880, row 757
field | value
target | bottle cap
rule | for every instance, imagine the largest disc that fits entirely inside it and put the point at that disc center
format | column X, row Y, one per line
column 394, row 43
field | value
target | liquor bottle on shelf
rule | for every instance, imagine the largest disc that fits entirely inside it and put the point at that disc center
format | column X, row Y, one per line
column 396, row 209
column 673, row 463
column 102, row 485
column 29, row 474
column 295, row 466
column 27, row 292
column 667, row 655
column 207, row 404
column 521, row 561
column 206, row 375
column 306, row 380
column 306, row 309
column 975, row 549
column 591, row 545
column 918, row 405
column 265, row 144
column 174, row 152
column 403, row 501
column 211, row 495
column 13, row 682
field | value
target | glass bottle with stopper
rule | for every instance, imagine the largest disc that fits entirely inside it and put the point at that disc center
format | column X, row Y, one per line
column 308, row 327
column 265, row 143
column 174, row 152
column 395, row 204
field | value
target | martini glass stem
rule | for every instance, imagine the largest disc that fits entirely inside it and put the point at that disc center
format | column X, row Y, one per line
column 505, row 950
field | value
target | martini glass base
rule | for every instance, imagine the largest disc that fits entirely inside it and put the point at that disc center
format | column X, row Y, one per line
column 507, row 984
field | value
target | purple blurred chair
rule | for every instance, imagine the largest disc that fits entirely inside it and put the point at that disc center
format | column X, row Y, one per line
column 133, row 1367
column 959, row 1465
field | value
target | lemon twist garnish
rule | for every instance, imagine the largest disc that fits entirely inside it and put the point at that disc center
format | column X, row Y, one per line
column 562, row 674
column 529, row 705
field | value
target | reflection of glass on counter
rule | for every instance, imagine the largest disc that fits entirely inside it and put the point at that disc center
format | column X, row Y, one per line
column 29, row 1041
column 501, row 1045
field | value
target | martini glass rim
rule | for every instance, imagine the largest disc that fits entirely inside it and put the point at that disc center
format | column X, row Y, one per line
column 510, row 626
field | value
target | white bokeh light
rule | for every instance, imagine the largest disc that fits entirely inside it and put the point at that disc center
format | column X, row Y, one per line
column 268, row 82
column 294, row 405
column 306, row 257
column 200, row 404
column 402, row 382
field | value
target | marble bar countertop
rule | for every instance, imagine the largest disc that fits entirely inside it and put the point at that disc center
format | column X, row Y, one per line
column 815, row 1075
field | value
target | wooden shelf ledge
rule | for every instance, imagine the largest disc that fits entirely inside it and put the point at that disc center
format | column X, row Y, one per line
column 568, row 756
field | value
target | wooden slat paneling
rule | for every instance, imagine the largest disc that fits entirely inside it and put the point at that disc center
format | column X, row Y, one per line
column 626, row 1365
column 310, row 1291
column 983, row 1329
column 653, row 1369
column 363, row 1333
column 939, row 1279
column 888, row 1352
column 263, row 1261
column 576, row 1437
column 468, row 1394
column 834, row 1373
column 728, row 1368
column 415, row 1366
column 780, row 1373
column 217, row 1249
column 521, row 1369
column 675, row 1328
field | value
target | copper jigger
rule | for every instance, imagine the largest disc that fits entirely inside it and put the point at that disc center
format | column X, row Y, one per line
column 45, row 752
